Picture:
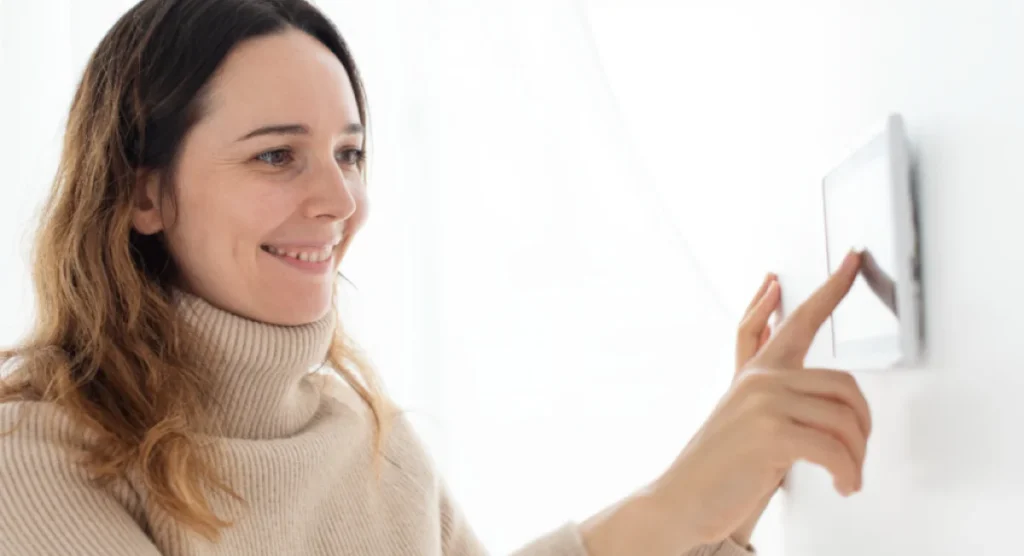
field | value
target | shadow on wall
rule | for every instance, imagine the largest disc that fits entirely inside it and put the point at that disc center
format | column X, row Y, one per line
column 949, row 451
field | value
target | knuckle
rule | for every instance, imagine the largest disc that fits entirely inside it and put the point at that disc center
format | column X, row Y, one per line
column 833, row 449
column 849, row 384
column 847, row 379
column 761, row 402
column 821, row 444
column 747, row 382
column 756, row 385
column 848, row 420
column 758, row 379
column 843, row 459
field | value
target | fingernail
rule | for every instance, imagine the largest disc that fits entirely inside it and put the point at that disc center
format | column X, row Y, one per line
column 850, row 259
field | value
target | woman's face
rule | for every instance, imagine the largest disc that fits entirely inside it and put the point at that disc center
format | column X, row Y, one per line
column 267, row 191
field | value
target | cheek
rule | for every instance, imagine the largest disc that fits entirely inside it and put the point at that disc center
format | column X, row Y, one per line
column 224, row 221
column 192, row 239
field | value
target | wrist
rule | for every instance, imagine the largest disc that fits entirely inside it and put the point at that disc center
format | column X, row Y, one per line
column 743, row 534
column 644, row 523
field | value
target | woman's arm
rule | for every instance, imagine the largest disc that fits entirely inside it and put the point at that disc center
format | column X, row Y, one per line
column 641, row 524
column 742, row 535
column 627, row 528
column 47, row 504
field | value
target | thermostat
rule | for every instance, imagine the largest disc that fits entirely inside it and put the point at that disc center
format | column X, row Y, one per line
column 870, row 202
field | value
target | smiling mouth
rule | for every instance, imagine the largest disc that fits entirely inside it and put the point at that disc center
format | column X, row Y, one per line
column 305, row 254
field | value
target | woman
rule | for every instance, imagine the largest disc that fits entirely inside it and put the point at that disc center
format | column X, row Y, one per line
column 169, row 399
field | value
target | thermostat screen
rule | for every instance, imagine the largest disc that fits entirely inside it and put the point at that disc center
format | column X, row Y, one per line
column 859, row 214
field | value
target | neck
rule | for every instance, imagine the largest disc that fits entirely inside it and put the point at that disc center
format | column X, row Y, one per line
column 259, row 373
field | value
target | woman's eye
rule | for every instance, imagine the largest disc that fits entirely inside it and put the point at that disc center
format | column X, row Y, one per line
column 350, row 156
column 277, row 157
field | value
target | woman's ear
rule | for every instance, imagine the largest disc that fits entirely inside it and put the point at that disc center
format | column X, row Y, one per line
column 146, row 216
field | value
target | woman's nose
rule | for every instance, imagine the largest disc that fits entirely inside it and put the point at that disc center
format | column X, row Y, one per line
column 331, row 194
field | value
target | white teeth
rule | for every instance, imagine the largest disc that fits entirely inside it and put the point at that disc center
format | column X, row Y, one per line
column 306, row 256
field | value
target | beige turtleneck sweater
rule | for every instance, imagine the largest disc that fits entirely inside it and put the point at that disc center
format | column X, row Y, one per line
column 297, row 453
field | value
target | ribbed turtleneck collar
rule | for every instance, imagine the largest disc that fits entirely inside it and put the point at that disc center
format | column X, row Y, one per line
column 260, row 373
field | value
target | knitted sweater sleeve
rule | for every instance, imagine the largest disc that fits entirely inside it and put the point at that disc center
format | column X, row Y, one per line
column 47, row 503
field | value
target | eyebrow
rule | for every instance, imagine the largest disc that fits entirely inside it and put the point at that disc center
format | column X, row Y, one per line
column 295, row 129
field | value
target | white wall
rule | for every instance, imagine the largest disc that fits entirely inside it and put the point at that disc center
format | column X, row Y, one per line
column 44, row 47
column 943, row 471
column 943, row 475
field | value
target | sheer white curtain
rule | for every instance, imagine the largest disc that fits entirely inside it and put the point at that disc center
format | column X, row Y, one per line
column 567, row 208
column 563, row 229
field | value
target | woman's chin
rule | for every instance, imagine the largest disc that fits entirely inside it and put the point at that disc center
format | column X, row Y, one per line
column 278, row 305
column 301, row 308
column 298, row 315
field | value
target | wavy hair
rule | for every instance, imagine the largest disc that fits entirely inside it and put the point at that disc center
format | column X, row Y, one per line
column 109, row 347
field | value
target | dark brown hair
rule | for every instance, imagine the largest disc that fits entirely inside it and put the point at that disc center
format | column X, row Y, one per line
column 109, row 346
